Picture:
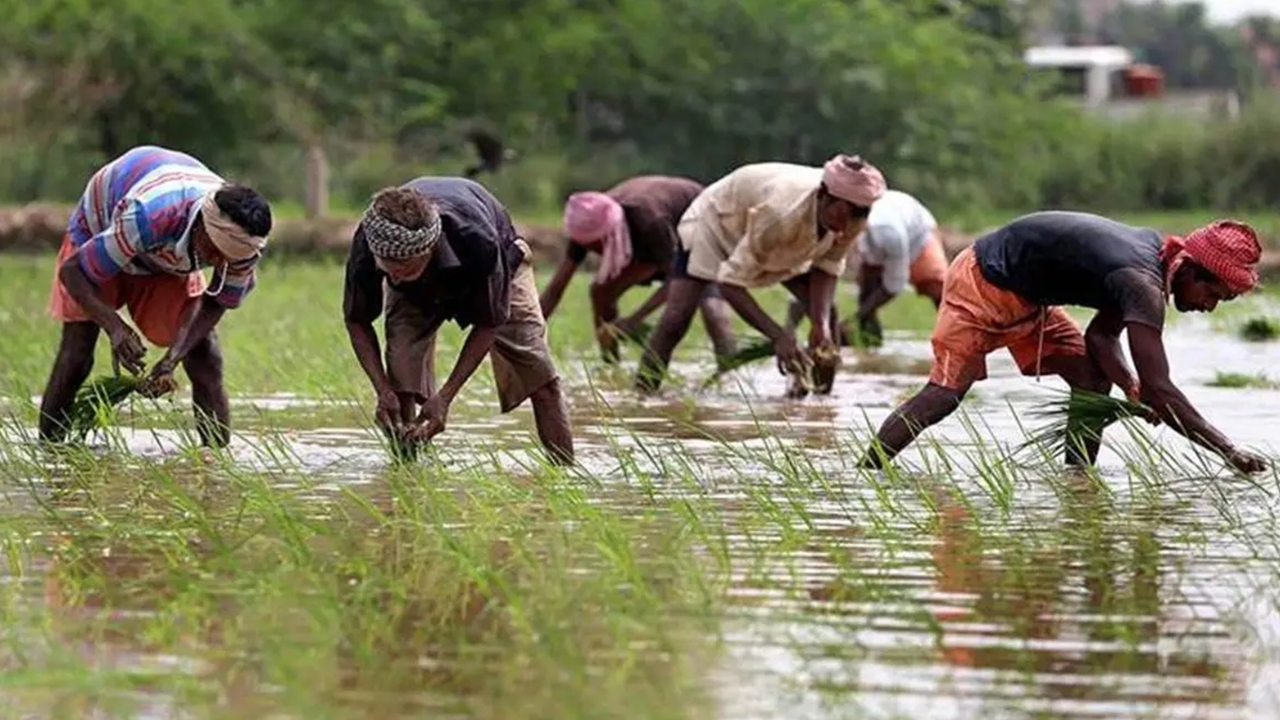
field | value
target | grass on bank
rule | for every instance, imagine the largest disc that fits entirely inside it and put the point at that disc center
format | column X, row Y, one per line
column 289, row 336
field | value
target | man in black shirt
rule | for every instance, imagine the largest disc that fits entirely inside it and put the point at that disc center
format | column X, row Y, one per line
column 1006, row 291
column 447, row 250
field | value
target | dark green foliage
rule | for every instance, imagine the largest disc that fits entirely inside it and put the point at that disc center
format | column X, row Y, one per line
column 95, row 403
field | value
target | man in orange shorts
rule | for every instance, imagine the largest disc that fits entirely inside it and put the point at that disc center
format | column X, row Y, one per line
column 899, row 245
column 1007, row 291
column 147, row 224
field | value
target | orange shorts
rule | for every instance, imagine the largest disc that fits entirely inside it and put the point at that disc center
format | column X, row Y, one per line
column 158, row 304
column 977, row 318
column 930, row 266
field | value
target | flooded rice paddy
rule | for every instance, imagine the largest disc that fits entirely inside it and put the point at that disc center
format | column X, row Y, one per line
column 715, row 555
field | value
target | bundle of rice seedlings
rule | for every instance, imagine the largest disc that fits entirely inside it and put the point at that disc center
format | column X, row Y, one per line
column 861, row 337
column 1260, row 329
column 1079, row 416
column 403, row 450
column 95, row 403
column 826, row 360
column 639, row 336
column 751, row 352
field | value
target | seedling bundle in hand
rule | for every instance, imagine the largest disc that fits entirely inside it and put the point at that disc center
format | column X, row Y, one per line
column 1077, row 417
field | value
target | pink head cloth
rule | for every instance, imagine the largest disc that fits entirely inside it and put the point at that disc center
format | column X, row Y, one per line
column 1227, row 248
column 591, row 217
column 849, row 177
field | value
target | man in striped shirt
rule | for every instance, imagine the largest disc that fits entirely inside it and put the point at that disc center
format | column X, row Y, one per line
column 147, row 224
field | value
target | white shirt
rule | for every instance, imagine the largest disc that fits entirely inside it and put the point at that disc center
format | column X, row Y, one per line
column 896, row 232
column 758, row 226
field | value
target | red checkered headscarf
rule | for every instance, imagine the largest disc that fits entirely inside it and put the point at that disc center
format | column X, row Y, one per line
column 1227, row 248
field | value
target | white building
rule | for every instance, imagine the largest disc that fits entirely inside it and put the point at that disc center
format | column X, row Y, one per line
column 1087, row 72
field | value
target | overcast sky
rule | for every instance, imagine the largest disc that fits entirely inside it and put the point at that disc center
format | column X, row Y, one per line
column 1232, row 10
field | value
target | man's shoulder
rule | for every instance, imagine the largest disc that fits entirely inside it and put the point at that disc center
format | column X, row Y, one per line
column 451, row 188
column 642, row 189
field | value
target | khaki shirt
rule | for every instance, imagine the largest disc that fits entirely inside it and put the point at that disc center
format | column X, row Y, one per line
column 758, row 226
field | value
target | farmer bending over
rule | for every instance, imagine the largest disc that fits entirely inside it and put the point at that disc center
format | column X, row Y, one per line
column 901, row 244
column 1006, row 291
column 633, row 228
column 763, row 224
column 147, row 223
column 448, row 250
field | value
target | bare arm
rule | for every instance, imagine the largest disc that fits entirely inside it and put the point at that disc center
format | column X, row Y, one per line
column 654, row 301
column 364, row 341
column 1160, row 394
column 604, row 296
column 555, row 289
column 474, row 350
column 872, row 294
column 85, row 294
column 740, row 299
column 822, row 293
column 126, row 346
column 1102, row 340
column 195, row 329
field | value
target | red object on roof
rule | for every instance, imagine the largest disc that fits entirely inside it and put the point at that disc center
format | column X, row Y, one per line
column 1142, row 80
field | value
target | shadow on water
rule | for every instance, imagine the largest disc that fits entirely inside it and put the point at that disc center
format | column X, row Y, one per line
column 302, row 577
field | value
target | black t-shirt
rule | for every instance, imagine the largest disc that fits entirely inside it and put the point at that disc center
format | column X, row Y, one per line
column 469, row 276
column 1072, row 258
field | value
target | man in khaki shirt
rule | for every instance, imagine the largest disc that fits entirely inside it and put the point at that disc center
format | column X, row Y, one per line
column 763, row 224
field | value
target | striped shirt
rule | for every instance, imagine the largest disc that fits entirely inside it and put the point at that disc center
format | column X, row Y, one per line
column 136, row 215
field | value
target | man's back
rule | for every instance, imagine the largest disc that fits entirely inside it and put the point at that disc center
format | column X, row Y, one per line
column 165, row 182
column 898, row 226
column 1069, row 258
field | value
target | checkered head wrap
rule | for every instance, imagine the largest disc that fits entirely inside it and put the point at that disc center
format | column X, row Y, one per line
column 390, row 240
column 1227, row 248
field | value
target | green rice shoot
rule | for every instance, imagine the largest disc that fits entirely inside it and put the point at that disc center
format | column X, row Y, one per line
column 1260, row 329
column 95, row 404
column 752, row 352
column 640, row 336
column 1077, row 417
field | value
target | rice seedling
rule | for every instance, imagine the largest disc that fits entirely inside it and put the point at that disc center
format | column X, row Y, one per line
column 1260, row 329
column 1258, row 381
column 1079, row 416
column 750, row 352
column 860, row 336
column 95, row 403
column 739, row 566
column 640, row 336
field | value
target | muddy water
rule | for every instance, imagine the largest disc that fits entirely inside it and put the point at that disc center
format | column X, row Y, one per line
column 1060, row 599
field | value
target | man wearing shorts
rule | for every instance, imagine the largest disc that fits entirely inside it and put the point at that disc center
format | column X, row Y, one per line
column 146, row 225
column 447, row 249
column 760, row 225
column 632, row 227
column 1006, row 291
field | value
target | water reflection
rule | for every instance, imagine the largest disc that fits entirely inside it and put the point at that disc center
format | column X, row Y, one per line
column 851, row 594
